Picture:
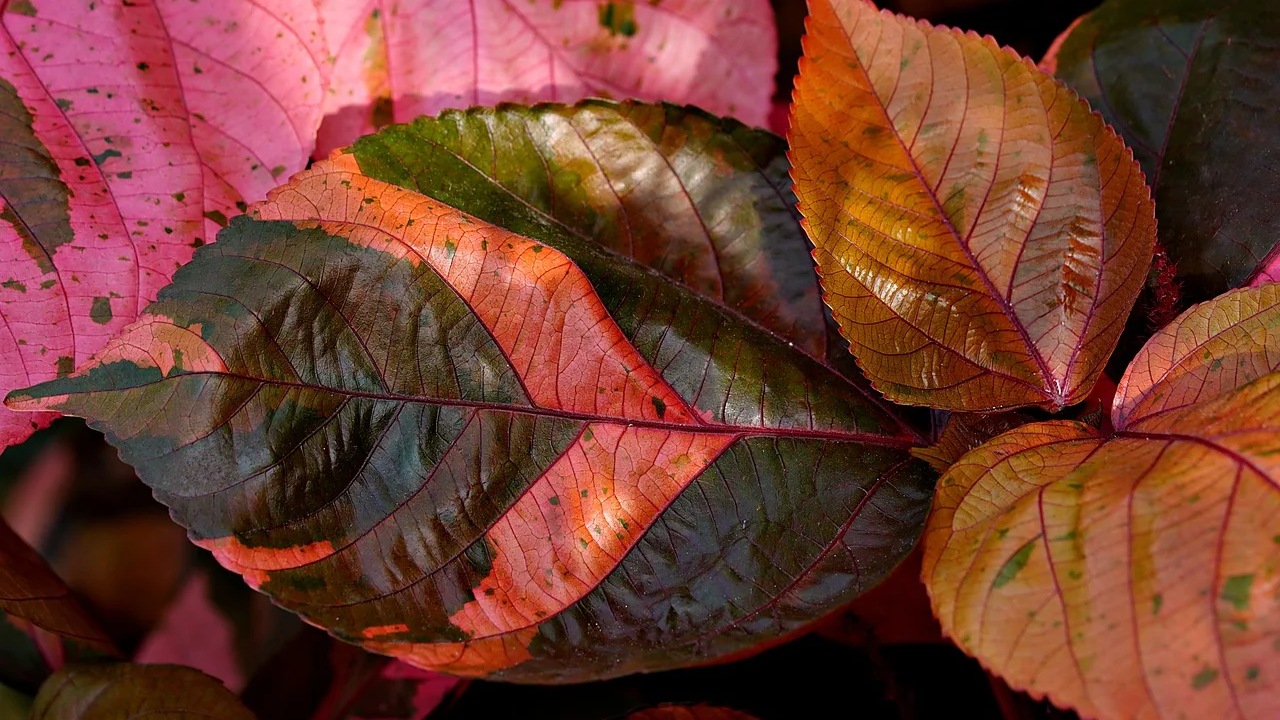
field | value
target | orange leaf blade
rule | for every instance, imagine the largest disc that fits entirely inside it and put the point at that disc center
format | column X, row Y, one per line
column 981, row 235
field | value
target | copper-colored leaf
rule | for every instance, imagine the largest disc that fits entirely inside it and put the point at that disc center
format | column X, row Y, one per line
column 1135, row 576
column 120, row 691
column 981, row 235
column 1213, row 348
column 964, row 432
column 42, row 625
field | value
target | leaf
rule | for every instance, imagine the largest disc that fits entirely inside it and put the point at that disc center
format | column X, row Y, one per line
column 529, row 459
column 981, row 236
column 1186, row 84
column 41, row 623
column 1206, row 352
column 123, row 153
column 396, row 61
column 371, row 687
column 121, row 691
column 194, row 633
column 689, row 712
column 964, row 432
column 1136, row 575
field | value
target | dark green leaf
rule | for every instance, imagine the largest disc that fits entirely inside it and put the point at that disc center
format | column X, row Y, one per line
column 1191, row 86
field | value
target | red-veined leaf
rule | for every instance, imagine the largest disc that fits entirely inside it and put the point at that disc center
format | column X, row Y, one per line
column 980, row 234
column 394, row 61
column 1135, row 576
column 120, row 691
column 42, row 625
column 539, row 460
column 1187, row 84
column 133, row 130
column 1210, row 350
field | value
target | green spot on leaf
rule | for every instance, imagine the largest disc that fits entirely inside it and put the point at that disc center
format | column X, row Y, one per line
column 23, row 7
column 217, row 217
column 104, row 156
column 1204, row 677
column 1157, row 601
column 1014, row 565
column 554, row 500
column 450, row 247
column 1236, row 591
column 1252, row 672
column 277, row 171
column 125, row 175
column 14, row 285
column 179, row 196
column 66, row 365
column 100, row 312
column 63, row 104
column 659, row 406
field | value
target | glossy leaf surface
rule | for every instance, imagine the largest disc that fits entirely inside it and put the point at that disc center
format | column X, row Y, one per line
column 981, row 236
column 42, row 625
column 395, row 61
column 123, row 692
column 123, row 154
column 1138, row 575
column 1190, row 86
column 533, row 458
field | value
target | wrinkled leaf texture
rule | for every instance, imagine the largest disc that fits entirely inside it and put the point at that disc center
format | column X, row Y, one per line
column 1136, row 575
column 122, row 691
column 42, row 625
column 1190, row 85
column 135, row 129
column 981, row 235
column 577, row 453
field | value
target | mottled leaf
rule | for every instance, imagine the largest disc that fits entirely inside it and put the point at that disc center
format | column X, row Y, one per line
column 1190, row 86
column 121, row 691
column 1135, row 575
column 394, row 61
column 42, row 625
column 133, row 129
column 981, row 236
column 533, row 459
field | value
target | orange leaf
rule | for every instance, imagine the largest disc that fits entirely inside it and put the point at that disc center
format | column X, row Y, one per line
column 981, row 235
column 1136, row 576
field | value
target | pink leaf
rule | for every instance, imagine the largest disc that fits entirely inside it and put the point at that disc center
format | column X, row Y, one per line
column 194, row 633
column 133, row 129
column 395, row 61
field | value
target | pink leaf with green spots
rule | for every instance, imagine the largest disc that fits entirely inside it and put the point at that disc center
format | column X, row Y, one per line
column 395, row 61
column 133, row 130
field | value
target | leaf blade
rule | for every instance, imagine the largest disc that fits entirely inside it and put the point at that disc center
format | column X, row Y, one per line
column 1139, row 558
column 1174, row 79
column 471, row 464
column 935, row 220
